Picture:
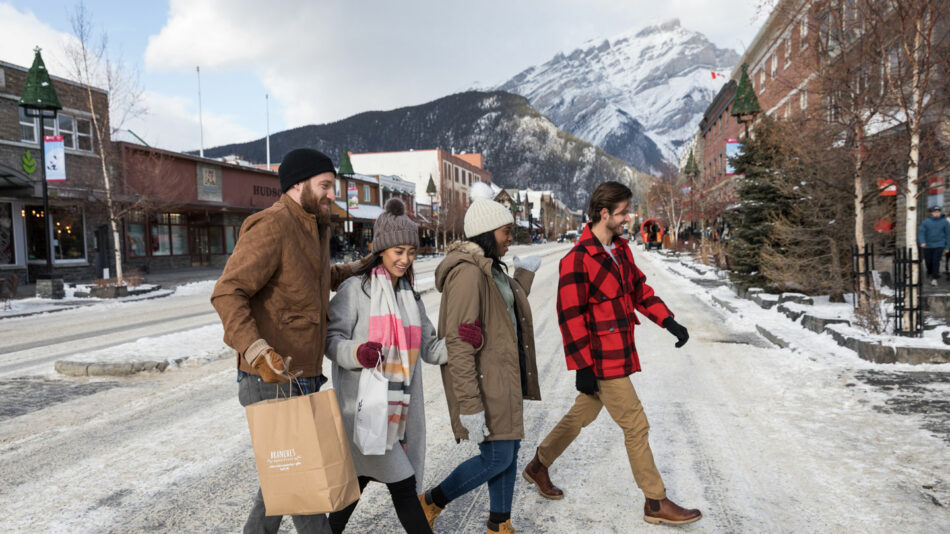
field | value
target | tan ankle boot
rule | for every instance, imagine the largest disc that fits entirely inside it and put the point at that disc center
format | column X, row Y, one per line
column 431, row 509
column 503, row 528
column 666, row 511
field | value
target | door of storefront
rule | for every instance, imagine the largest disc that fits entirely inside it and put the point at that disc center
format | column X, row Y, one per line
column 200, row 253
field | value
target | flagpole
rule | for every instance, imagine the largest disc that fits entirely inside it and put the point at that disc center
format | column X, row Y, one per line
column 267, row 119
column 201, row 129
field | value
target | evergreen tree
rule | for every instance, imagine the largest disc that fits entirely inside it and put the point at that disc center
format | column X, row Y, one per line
column 760, row 200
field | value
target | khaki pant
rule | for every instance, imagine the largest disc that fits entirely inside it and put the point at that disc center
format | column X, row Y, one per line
column 624, row 407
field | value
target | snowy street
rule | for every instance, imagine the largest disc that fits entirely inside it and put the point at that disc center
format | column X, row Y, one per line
column 760, row 439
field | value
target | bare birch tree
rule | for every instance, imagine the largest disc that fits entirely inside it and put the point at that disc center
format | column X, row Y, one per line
column 91, row 65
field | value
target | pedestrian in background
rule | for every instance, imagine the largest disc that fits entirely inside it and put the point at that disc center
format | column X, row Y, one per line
column 273, row 295
column 485, row 386
column 599, row 293
column 382, row 295
column 934, row 237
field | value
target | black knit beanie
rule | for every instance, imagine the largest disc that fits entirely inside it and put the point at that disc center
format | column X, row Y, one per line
column 302, row 164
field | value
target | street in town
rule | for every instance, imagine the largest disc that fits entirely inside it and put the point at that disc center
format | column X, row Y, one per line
column 803, row 439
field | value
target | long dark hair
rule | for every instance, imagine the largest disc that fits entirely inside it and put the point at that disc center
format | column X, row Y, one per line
column 486, row 240
column 367, row 271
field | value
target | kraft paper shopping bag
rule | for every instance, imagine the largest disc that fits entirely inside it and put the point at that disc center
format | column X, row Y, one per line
column 302, row 454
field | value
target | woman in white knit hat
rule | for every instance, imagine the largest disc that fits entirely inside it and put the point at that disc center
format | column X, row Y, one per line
column 485, row 385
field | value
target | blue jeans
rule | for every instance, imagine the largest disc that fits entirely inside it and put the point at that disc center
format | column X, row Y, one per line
column 497, row 464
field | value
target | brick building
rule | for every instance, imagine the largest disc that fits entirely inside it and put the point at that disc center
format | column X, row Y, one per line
column 176, row 210
column 81, row 239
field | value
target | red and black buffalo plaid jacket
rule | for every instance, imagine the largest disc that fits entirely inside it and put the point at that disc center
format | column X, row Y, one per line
column 596, row 304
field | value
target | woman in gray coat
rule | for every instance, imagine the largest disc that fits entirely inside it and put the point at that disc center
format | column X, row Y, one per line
column 382, row 295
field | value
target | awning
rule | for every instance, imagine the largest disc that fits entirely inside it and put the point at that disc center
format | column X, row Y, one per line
column 365, row 212
column 15, row 183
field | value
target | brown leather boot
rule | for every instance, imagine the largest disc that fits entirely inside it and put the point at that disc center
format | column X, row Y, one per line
column 537, row 474
column 667, row 511
column 431, row 509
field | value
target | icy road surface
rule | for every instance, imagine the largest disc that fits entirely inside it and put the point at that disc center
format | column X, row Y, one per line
column 760, row 439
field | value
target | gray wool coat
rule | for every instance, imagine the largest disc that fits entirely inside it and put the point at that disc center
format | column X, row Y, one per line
column 348, row 329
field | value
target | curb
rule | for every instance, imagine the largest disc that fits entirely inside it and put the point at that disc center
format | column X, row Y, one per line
column 73, row 368
column 70, row 368
column 872, row 351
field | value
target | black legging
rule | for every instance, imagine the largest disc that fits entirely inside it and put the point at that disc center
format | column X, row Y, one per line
column 408, row 509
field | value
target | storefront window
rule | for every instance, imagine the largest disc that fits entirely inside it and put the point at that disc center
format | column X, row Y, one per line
column 7, row 252
column 230, row 237
column 70, row 243
column 216, row 239
column 161, row 235
column 135, row 235
column 35, row 232
column 169, row 234
column 179, row 240
column 68, row 227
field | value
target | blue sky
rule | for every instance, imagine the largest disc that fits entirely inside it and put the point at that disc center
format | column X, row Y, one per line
column 324, row 60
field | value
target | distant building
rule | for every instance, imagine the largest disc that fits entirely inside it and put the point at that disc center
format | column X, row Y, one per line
column 452, row 173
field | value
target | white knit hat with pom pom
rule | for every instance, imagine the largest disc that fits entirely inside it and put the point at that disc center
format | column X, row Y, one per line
column 485, row 215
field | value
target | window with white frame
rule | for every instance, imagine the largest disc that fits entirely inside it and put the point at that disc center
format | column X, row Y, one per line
column 27, row 127
column 76, row 132
column 803, row 98
column 774, row 65
column 84, row 135
column 367, row 194
column 67, row 129
column 761, row 80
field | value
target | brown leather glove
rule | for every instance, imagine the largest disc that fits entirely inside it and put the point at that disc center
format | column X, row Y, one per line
column 272, row 367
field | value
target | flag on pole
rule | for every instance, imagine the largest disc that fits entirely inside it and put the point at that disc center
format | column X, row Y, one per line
column 717, row 75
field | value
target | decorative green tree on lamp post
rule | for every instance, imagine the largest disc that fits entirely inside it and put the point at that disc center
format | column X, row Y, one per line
column 746, row 106
column 39, row 100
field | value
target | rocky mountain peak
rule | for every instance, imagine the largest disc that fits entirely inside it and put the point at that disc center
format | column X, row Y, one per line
column 638, row 95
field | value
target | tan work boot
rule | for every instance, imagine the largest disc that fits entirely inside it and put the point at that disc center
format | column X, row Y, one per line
column 666, row 511
column 431, row 509
column 501, row 528
column 537, row 474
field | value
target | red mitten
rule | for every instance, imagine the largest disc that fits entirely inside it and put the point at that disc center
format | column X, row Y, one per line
column 369, row 353
column 471, row 333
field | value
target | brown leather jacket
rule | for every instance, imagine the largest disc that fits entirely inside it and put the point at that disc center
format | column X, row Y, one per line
column 275, row 289
column 488, row 378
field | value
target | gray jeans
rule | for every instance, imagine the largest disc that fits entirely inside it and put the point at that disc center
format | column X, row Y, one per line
column 252, row 389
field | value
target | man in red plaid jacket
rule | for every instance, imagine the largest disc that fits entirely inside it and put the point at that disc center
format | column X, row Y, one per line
column 599, row 293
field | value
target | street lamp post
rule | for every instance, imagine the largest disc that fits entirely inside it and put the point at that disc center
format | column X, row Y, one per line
column 39, row 100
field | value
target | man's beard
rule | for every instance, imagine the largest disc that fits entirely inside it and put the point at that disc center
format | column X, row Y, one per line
column 315, row 205
column 616, row 229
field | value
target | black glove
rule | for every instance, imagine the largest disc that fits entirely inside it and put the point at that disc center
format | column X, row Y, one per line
column 585, row 381
column 677, row 330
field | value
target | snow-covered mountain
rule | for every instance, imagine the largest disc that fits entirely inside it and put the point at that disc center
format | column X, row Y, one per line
column 639, row 95
column 522, row 148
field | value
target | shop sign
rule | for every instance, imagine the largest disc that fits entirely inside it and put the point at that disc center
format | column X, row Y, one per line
column 209, row 183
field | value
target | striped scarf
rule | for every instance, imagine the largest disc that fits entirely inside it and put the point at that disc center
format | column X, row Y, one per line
column 400, row 337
